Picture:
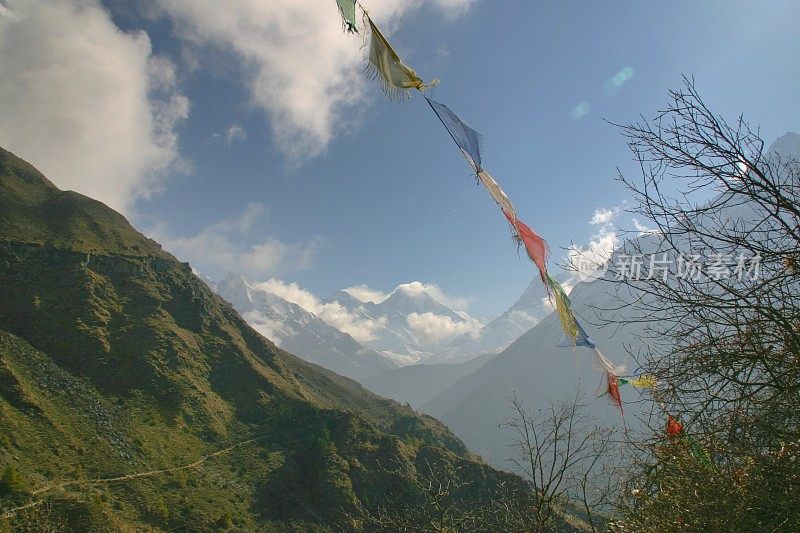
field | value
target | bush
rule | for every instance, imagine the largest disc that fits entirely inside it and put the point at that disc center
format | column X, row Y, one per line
column 11, row 482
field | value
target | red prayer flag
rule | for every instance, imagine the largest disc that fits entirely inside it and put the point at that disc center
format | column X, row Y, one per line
column 613, row 391
column 534, row 244
column 674, row 428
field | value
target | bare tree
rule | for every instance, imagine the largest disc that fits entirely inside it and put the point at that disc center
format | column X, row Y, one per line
column 561, row 451
column 445, row 499
column 436, row 509
column 719, row 301
column 726, row 338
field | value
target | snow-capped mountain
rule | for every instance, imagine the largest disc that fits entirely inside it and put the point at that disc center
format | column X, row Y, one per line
column 787, row 145
column 392, row 339
column 499, row 333
column 411, row 326
column 205, row 279
column 300, row 332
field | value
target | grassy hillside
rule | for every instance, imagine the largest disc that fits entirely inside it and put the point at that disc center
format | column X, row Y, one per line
column 116, row 361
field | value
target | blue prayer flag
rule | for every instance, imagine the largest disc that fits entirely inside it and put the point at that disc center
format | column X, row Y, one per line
column 582, row 339
column 465, row 137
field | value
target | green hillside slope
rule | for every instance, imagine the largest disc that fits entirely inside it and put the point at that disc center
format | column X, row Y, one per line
column 122, row 376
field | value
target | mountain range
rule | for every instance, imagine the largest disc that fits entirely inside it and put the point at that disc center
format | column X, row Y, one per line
column 515, row 353
column 298, row 331
column 499, row 333
column 403, row 322
column 409, row 327
column 535, row 370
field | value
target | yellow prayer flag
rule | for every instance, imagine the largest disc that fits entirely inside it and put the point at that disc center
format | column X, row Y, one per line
column 645, row 381
column 396, row 78
column 563, row 309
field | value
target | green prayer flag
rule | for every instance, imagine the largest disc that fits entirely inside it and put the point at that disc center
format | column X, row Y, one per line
column 698, row 452
column 348, row 10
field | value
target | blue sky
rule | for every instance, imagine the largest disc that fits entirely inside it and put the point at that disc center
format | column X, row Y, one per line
column 378, row 194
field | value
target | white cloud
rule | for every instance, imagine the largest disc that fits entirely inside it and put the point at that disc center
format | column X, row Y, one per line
column 356, row 325
column 365, row 294
column 434, row 291
column 414, row 288
column 591, row 260
column 567, row 285
column 604, row 216
column 433, row 328
column 88, row 104
column 237, row 244
column 274, row 330
column 642, row 229
column 299, row 66
column 291, row 292
column 232, row 134
column 454, row 8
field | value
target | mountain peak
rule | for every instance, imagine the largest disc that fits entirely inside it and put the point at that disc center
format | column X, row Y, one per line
column 403, row 292
column 12, row 164
column 409, row 298
column 300, row 331
column 413, row 288
column 345, row 298
column 787, row 145
column 236, row 289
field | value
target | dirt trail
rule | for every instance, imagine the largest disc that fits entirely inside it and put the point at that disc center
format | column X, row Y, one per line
column 97, row 481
